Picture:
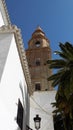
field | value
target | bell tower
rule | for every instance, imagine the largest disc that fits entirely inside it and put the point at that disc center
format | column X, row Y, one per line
column 37, row 54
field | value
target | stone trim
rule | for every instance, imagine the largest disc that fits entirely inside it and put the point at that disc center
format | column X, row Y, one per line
column 4, row 12
column 21, row 51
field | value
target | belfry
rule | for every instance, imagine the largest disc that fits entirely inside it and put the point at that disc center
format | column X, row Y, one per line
column 37, row 54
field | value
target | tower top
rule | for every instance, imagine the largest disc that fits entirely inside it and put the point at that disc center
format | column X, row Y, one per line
column 38, row 33
column 38, row 28
column 38, row 36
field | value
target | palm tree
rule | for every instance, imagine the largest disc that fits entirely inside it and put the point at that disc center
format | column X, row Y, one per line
column 63, row 78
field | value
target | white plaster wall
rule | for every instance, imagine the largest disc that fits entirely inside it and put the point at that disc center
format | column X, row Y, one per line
column 10, row 88
column 40, row 103
column 5, row 40
column 1, row 20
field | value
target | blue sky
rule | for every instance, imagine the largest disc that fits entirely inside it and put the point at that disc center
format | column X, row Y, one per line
column 55, row 17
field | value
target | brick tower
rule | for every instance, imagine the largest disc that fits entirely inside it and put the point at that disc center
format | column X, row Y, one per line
column 37, row 54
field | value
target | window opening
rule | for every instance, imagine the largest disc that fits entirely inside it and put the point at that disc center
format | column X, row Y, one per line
column 38, row 62
column 37, row 87
column 37, row 43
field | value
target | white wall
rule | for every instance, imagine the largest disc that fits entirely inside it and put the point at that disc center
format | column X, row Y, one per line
column 1, row 19
column 40, row 103
column 10, row 88
column 5, row 40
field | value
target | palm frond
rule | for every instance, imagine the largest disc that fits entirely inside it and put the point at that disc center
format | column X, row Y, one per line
column 57, row 64
column 66, row 52
column 54, row 76
column 63, row 78
column 69, row 47
column 56, row 82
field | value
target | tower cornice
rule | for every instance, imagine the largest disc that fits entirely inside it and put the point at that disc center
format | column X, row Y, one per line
column 38, row 34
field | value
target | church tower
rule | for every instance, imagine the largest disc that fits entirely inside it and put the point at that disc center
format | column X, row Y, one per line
column 37, row 54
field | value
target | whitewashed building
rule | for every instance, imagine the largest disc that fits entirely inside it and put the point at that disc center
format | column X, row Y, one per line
column 40, row 103
column 14, row 74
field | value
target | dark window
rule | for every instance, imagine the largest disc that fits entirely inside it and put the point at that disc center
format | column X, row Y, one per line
column 37, row 43
column 37, row 87
column 38, row 62
column 19, row 118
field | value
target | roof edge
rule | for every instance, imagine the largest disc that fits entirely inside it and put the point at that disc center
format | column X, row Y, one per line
column 5, row 12
column 20, row 47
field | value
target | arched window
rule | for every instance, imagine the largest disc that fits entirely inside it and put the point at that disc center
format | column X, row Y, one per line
column 37, row 87
column 37, row 43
